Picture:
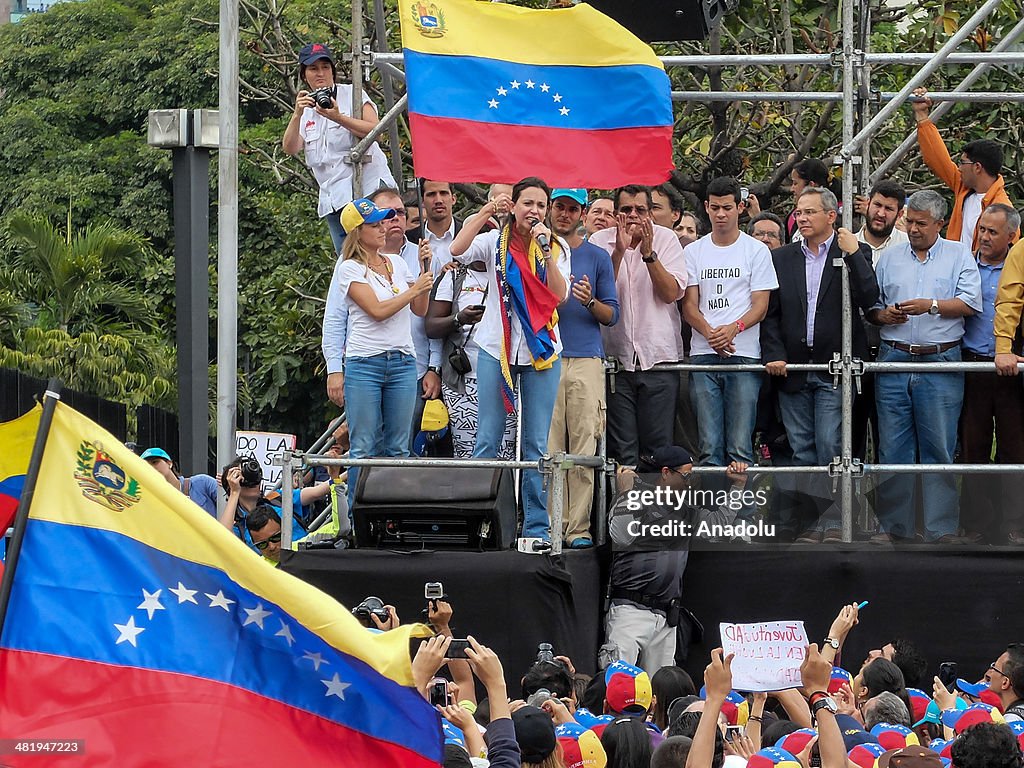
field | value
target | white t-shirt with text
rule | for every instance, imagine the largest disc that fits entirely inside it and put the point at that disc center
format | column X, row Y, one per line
column 725, row 278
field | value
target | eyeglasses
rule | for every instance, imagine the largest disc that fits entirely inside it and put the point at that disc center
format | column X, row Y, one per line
column 684, row 475
column 807, row 212
column 994, row 668
column 262, row 545
column 398, row 211
column 767, row 236
column 640, row 210
column 966, row 161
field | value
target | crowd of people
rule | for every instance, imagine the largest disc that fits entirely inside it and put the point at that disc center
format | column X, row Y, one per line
column 890, row 710
column 510, row 318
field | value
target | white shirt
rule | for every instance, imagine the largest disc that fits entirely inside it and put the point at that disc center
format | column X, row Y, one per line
column 441, row 247
column 474, row 285
column 489, row 332
column 368, row 337
column 895, row 237
column 972, row 212
column 325, row 145
column 725, row 278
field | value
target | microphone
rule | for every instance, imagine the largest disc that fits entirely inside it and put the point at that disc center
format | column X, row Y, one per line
column 542, row 239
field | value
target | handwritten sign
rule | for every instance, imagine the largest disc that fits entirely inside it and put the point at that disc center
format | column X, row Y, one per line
column 267, row 448
column 767, row 654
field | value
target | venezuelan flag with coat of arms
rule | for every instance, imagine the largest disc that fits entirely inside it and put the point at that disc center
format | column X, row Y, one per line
column 498, row 92
column 144, row 630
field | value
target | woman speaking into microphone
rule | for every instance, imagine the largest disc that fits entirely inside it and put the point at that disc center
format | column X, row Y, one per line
column 528, row 277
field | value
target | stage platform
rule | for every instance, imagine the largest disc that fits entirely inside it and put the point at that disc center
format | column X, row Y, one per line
column 957, row 604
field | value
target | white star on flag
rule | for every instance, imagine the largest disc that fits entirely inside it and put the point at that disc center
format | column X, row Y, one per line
column 219, row 600
column 529, row 83
column 564, row 110
column 184, row 594
column 557, row 97
column 545, row 87
column 502, row 92
column 255, row 615
column 151, row 603
column 128, row 632
column 286, row 633
column 493, row 104
column 514, row 83
column 316, row 658
column 335, row 687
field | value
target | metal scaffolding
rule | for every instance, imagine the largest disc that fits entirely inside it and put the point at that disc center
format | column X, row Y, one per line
column 859, row 126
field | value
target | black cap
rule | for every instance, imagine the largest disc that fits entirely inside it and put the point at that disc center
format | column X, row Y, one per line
column 535, row 733
column 313, row 52
column 670, row 456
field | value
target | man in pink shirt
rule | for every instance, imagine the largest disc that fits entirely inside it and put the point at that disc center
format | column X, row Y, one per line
column 650, row 278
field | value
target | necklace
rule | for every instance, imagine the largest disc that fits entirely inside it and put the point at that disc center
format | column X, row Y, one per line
column 385, row 280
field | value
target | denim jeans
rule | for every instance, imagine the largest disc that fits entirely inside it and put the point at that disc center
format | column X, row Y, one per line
column 337, row 231
column 726, row 406
column 537, row 393
column 380, row 394
column 917, row 423
column 813, row 420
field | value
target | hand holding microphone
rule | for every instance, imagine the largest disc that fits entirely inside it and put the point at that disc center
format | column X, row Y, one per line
column 541, row 234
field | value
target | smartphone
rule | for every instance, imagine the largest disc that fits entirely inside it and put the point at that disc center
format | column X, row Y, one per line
column 457, row 649
column 477, row 307
column 948, row 673
column 439, row 692
column 733, row 732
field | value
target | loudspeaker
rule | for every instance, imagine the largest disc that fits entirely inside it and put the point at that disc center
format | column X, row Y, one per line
column 436, row 507
column 667, row 20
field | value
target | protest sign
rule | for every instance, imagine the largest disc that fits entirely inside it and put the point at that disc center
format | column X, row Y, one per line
column 768, row 654
column 267, row 448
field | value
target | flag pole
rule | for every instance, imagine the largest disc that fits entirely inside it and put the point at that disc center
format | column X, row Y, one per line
column 50, row 398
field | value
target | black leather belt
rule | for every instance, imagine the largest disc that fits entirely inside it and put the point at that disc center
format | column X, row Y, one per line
column 924, row 349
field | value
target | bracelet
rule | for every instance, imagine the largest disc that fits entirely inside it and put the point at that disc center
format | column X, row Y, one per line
column 590, row 303
column 740, row 327
column 755, row 718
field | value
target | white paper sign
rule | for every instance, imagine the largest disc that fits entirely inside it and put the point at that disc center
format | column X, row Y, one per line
column 767, row 654
column 267, row 448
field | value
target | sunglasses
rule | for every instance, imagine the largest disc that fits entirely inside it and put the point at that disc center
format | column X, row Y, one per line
column 628, row 209
column 262, row 545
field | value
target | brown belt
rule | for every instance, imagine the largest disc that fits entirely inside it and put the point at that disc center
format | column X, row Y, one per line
column 924, row 349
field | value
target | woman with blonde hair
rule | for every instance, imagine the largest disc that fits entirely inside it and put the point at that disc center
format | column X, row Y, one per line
column 380, row 359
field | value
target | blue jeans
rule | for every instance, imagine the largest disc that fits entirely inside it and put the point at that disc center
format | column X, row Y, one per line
column 813, row 420
column 917, row 423
column 726, row 406
column 537, row 393
column 380, row 394
column 337, row 231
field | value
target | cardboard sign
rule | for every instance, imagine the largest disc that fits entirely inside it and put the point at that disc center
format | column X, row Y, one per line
column 267, row 447
column 768, row 654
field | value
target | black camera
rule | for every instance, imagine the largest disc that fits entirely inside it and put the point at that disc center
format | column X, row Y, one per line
column 323, row 97
column 545, row 654
column 371, row 606
column 252, row 472
column 459, row 361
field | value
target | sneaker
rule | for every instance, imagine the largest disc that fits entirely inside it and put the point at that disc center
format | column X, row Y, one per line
column 1015, row 539
column 809, row 537
column 833, row 536
column 581, row 543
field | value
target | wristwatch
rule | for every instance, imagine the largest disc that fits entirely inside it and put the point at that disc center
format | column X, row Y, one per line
column 650, row 259
column 934, row 308
column 830, row 641
column 435, row 368
column 590, row 303
column 820, row 701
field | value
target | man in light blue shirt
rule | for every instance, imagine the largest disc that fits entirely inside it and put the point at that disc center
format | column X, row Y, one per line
column 990, row 511
column 928, row 286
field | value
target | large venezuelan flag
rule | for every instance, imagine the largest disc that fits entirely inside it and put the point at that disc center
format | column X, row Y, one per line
column 498, row 92
column 141, row 627
column 16, row 437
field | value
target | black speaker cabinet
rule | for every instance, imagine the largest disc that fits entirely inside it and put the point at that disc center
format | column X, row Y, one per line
column 434, row 507
column 667, row 20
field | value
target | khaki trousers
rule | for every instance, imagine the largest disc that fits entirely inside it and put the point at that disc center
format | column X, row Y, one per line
column 576, row 425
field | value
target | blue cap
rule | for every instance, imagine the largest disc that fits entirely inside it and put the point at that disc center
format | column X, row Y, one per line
column 362, row 211
column 579, row 195
column 155, row 453
column 971, row 689
column 314, row 51
column 934, row 715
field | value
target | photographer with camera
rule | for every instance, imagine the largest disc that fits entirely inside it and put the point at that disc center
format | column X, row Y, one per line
column 242, row 480
column 324, row 130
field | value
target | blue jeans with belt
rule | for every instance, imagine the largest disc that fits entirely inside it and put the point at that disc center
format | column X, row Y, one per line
column 380, row 395
column 537, row 392
column 917, row 423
